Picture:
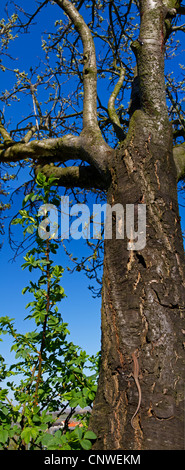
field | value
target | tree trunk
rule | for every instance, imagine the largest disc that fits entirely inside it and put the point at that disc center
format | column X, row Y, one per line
column 143, row 303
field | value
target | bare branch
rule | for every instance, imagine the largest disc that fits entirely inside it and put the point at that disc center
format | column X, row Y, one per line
column 86, row 177
column 36, row 12
column 68, row 147
column 178, row 28
column 179, row 158
column 111, row 106
column 5, row 135
column 89, row 71
column 60, row 149
column 34, row 106
column 29, row 134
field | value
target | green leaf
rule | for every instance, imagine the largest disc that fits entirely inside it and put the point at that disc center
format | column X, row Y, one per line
column 86, row 444
column 26, row 434
column 47, row 439
column 3, row 435
column 3, row 394
column 30, row 229
column 82, row 403
column 52, row 180
column 25, row 289
column 40, row 180
column 74, row 402
column 27, row 197
column 29, row 433
column 16, row 221
column 85, row 391
column 24, row 213
column 34, row 433
column 5, row 411
column 78, row 432
column 91, row 396
column 34, row 197
column 90, row 435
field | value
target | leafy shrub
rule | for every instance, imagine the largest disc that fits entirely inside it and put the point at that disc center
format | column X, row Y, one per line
column 50, row 371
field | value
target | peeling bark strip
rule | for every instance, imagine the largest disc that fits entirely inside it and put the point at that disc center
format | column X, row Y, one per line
column 143, row 293
column 136, row 378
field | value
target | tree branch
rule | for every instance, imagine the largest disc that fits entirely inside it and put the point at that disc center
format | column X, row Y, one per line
column 181, row 9
column 179, row 158
column 88, row 147
column 5, row 135
column 89, row 70
column 36, row 12
column 85, row 177
column 29, row 134
column 61, row 149
column 111, row 107
column 179, row 28
column 149, row 51
column 36, row 105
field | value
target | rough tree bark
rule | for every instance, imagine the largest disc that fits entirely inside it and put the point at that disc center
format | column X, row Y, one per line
column 143, row 296
column 143, row 303
column 143, row 292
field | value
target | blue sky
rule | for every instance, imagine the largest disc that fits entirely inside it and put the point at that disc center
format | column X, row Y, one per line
column 79, row 309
